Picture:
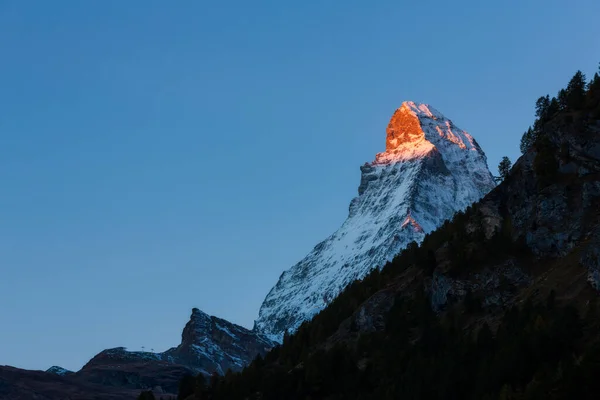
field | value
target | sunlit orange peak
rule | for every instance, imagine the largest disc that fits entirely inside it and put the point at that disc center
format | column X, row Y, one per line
column 413, row 131
column 405, row 135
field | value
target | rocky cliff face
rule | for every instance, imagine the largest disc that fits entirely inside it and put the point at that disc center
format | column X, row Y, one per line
column 208, row 345
column 430, row 170
column 552, row 199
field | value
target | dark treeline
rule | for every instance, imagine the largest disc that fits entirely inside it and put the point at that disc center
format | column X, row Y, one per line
column 578, row 103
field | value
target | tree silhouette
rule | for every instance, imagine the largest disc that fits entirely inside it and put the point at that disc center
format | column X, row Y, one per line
column 146, row 395
column 503, row 168
column 576, row 91
column 527, row 140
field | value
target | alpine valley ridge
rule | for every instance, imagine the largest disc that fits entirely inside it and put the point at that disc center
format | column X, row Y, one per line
column 430, row 170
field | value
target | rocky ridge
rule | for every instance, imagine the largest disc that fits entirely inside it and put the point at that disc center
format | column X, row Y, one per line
column 208, row 345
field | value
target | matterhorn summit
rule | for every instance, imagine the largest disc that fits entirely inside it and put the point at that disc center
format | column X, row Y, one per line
column 430, row 170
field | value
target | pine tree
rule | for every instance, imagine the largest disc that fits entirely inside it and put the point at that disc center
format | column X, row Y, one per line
column 593, row 96
column 562, row 100
column 200, row 387
column 146, row 395
column 504, row 168
column 527, row 140
column 187, row 387
column 553, row 108
column 576, row 91
column 541, row 107
column 593, row 87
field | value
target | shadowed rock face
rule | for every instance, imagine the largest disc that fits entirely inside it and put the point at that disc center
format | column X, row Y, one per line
column 210, row 344
column 430, row 170
column 562, row 217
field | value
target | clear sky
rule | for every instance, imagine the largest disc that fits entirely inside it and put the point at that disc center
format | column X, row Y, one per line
column 157, row 156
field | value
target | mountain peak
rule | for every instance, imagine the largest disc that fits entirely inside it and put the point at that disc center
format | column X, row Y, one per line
column 210, row 344
column 430, row 169
column 199, row 325
column 416, row 129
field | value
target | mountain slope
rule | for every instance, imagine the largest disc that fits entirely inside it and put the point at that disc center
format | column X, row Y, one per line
column 430, row 170
column 500, row 303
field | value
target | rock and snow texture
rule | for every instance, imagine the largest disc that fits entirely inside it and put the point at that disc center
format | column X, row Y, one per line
column 208, row 345
column 430, row 170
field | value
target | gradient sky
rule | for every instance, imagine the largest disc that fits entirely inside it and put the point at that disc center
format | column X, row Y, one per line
column 155, row 158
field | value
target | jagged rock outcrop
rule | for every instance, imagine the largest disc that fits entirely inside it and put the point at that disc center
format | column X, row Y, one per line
column 58, row 370
column 210, row 344
column 430, row 170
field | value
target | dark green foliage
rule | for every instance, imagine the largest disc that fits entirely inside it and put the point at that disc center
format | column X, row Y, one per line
column 593, row 96
column 541, row 107
column 553, row 108
column 201, row 388
column 146, row 395
column 420, row 356
column 187, row 387
column 562, row 100
column 527, row 140
column 575, row 94
column 472, row 304
column 504, row 168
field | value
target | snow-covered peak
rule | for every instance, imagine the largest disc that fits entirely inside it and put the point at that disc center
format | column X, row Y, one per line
column 430, row 169
column 416, row 129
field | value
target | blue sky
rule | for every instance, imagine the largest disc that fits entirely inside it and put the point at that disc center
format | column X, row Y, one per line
column 158, row 157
